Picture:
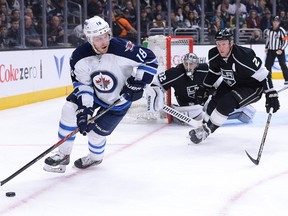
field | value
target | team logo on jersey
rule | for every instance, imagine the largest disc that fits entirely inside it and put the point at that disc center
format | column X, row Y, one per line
column 104, row 81
column 228, row 76
column 191, row 91
column 129, row 46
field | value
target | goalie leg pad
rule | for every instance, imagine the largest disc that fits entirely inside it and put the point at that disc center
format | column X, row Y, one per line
column 243, row 114
column 155, row 98
column 193, row 111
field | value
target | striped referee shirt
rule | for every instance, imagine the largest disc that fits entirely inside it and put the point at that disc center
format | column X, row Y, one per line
column 274, row 39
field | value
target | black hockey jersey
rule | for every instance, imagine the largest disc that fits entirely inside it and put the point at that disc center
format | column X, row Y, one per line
column 184, row 87
column 241, row 68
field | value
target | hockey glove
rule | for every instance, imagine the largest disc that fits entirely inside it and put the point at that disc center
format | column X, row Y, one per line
column 272, row 101
column 83, row 114
column 201, row 94
column 133, row 89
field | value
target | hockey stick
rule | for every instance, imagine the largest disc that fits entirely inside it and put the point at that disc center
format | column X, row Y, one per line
column 194, row 123
column 256, row 161
column 91, row 120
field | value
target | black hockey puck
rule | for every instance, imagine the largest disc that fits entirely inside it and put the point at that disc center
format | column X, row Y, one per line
column 10, row 194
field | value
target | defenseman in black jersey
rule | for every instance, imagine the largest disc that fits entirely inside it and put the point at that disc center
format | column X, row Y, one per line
column 184, row 79
column 245, row 79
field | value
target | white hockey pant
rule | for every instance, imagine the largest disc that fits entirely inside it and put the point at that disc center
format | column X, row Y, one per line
column 68, row 123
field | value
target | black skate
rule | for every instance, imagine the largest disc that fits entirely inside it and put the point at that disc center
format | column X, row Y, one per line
column 56, row 163
column 199, row 134
column 85, row 162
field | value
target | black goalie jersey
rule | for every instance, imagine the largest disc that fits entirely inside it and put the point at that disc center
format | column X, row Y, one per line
column 184, row 86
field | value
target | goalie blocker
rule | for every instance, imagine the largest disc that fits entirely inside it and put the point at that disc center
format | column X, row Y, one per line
column 156, row 103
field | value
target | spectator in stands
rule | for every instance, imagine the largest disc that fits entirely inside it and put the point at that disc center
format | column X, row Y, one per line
column 15, row 14
column 127, row 30
column 55, row 32
column 266, row 21
column 180, row 3
column 159, row 22
column 191, row 20
column 226, row 11
column 186, row 11
column 149, row 13
column 13, row 4
column 94, row 8
column 226, row 8
column 179, row 15
column 242, row 22
column 14, row 34
column 35, row 22
column 57, row 11
column 241, row 9
column 144, row 23
column 126, row 15
column 253, row 20
column 158, row 10
column 4, row 40
column 214, row 27
column 251, row 5
column 32, row 38
column 256, row 38
column 218, row 18
column 194, row 6
column 5, row 14
column 283, row 19
column 132, row 12
column 174, row 22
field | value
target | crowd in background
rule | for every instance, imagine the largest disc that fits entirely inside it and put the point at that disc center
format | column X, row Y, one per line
column 154, row 14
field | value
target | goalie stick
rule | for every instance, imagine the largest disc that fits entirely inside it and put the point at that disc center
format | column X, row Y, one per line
column 192, row 122
column 91, row 120
column 256, row 161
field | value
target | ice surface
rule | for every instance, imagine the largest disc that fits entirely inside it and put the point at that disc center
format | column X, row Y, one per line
column 149, row 169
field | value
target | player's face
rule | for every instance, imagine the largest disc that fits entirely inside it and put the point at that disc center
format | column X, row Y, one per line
column 101, row 43
column 190, row 66
column 224, row 47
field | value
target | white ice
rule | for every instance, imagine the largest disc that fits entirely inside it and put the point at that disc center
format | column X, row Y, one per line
column 149, row 169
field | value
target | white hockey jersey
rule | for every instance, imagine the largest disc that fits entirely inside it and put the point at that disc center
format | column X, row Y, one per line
column 100, row 78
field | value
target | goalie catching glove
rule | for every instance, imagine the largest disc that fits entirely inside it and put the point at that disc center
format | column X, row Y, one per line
column 83, row 115
column 133, row 89
column 272, row 101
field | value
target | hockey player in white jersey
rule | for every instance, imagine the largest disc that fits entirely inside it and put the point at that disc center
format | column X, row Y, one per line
column 103, row 69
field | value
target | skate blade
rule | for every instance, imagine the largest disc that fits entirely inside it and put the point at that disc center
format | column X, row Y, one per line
column 55, row 169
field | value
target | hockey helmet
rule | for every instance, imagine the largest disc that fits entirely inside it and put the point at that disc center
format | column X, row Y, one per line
column 190, row 61
column 224, row 34
column 95, row 26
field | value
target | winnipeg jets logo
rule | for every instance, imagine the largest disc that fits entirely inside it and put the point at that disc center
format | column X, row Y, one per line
column 103, row 81
column 129, row 46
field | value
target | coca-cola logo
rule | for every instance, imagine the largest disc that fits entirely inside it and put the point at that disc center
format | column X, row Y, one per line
column 8, row 73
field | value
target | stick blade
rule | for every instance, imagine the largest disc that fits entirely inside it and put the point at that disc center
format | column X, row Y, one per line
column 256, row 162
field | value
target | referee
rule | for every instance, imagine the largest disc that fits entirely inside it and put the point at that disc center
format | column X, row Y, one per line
column 275, row 47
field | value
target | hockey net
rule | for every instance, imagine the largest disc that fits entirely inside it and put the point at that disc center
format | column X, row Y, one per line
column 169, row 51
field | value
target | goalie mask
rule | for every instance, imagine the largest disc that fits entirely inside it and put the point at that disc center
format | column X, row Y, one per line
column 190, row 62
column 96, row 30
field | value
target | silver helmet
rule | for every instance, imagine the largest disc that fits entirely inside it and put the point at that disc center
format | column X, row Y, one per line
column 190, row 62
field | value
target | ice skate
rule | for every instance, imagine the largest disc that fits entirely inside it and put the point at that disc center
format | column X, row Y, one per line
column 199, row 134
column 56, row 163
column 85, row 162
